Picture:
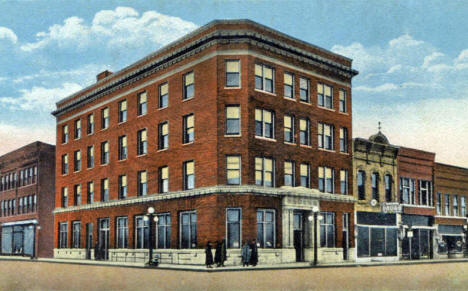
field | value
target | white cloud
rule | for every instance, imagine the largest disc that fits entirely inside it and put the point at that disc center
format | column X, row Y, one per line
column 8, row 34
column 18, row 136
column 380, row 88
column 82, row 75
column 404, row 41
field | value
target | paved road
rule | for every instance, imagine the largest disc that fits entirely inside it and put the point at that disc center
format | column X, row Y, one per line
column 17, row 275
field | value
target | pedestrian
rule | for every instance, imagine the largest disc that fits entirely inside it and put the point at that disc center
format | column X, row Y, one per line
column 254, row 253
column 208, row 255
column 246, row 252
column 223, row 252
column 217, row 258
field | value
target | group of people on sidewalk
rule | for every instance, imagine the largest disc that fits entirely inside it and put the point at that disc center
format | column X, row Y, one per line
column 249, row 254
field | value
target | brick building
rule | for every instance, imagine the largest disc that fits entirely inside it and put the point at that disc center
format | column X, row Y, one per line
column 27, row 199
column 234, row 131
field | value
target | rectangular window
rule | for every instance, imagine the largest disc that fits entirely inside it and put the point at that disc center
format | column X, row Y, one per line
column 455, row 205
column 163, row 231
column 232, row 73
column 344, row 181
column 189, row 175
column 375, row 180
column 65, row 134
column 64, row 197
column 105, row 118
column 304, row 131
column 122, row 233
column 264, row 78
column 163, row 95
column 141, row 232
column 123, row 152
column 122, row 186
column 233, row 120
column 327, row 230
column 77, row 160
column 439, row 204
column 324, row 96
column 142, row 142
column 264, row 171
column 289, row 129
column 77, row 195
column 233, row 225
column 142, row 183
column 388, row 187
column 289, row 85
column 63, row 235
column 163, row 129
column 326, row 179
column 304, row 86
column 105, row 189
column 188, row 230
column 305, row 175
column 425, row 192
column 447, row 204
column 189, row 86
column 462, row 206
column 188, row 128
column 142, row 104
column 90, row 157
column 289, row 173
column 343, row 139
column 77, row 128
column 343, row 101
column 123, row 111
column 264, row 123
column 325, row 136
column 76, row 230
column 407, row 190
column 90, row 192
column 64, row 165
column 104, row 152
column 233, row 170
column 164, row 179
column 90, row 126
column 266, row 228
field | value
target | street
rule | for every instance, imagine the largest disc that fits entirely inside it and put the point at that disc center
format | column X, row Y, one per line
column 17, row 275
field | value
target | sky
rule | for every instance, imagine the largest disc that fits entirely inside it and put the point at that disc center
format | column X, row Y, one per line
column 412, row 58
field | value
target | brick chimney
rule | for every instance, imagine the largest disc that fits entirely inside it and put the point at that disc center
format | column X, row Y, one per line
column 102, row 75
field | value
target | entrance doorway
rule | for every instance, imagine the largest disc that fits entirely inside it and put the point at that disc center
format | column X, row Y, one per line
column 298, row 226
column 104, row 238
column 419, row 246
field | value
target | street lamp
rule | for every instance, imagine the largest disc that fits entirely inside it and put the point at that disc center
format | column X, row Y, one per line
column 150, row 217
column 315, row 218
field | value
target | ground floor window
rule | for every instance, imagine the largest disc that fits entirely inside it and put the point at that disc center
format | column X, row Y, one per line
column 188, row 229
column 233, row 227
column 375, row 241
column 122, row 232
column 327, row 230
column 451, row 244
column 76, row 231
column 163, row 231
column 420, row 246
column 266, row 228
column 63, row 234
column 141, row 232
column 18, row 239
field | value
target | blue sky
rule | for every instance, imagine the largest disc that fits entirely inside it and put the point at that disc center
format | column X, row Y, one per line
column 412, row 57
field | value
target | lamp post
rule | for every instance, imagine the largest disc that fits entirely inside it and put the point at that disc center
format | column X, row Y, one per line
column 315, row 218
column 465, row 230
column 150, row 217
column 409, row 235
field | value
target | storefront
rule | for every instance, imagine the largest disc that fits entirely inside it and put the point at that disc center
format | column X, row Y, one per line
column 417, row 242
column 451, row 240
column 18, row 238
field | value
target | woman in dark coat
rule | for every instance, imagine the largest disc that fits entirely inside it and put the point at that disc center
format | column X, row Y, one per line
column 208, row 255
column 254, row 253
column 223, row 257
column 246, row 252
column 217, row 258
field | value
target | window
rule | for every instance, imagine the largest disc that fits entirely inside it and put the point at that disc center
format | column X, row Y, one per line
column 122, row 186
column 324, row 96
column 123, row 147
column 142, row 183
column 142, row 142
column 64, row 164
column 305, row 175
column 90, row 157
column 104, row 152
column 105, row 118
column 188, row 128
column 189, row 175
column 163, row 135
column 105, row 189
column 63, row 235
column 289, row 129
column 425, row 192
column 344, row 181
column 233, row 225
column 447, row 204
column 407, row 190
column 375, row 186
column 266, row 228
column 77, row 128
column 289, row 85
column 122, row 232
column 189, row 87
column 264, row 171
column 76, row 227
column 343, row 101
column 65, row 134
column 361, row 184
column 123, row 111
column 233, row 170
column 289, row 173
column 264, row 78
column 142, row 103
column 304, row 89
column 232, row 73
column 439, row 204
column 164, row 179
column 188, row 229
column 326, row 179
column 232, row 120
column 327, row 230
column 90, row 192
column 163, row 231
column 264, row 123
column 163, row 95
column 343, row 139
column 77, row 195
column 64, row 197
column 90, row 127
column 325, row 136
column 388, row 187
column 304, row 131
column 455, row 205
column 462, row 206
column 141, row 233
column 77, row 161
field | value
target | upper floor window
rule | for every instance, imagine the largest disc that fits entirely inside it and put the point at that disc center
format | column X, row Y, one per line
column 164, row 179
column 289, row 129
column 90, row 157
column 64, row 197
column 105, row 189
column 142, row 142
column 447, row 204
column 142, row 103
column 264, row 78
column 325, row 136
column 123, row 152
column 439, row 203
column 388, row 187
column 407, row 190
column 77, row 161
column 142, row 183
column 375, row 186
column 189, row 175
column 232, row 120
column 123, row 186
column 90, row 191
column 104, row 152
column 455, row 205
column 189, row 86
column 344, row 181
column 264, row 171
column 188, row 128
column 462, row 206
column 64, row 165
column 425, row 192
column 65, row 134
column 289, row 173
column 123, row 111
column 163, row 129
column 324, row 95
column 77, row 128
column 233, row 170
column 232, row 73
column 304, row 131
column 326, row 179
column 90, row 126
column 343, row 101
column 105, row 118
column 305, row 175
column 304, row 89
column 343, row 139
column 289, row 85
column 77, row 195
column 361, row 184
column 163, row 95
column 264, row 123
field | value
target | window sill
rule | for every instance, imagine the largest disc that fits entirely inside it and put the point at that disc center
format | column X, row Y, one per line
column 290, row 143
column 77, row 171
column 265, row 92
column 265, row 138
column 142, row 155
column 452, row 217
column 188, row 143
column 188, row 99
column 326, row 108
column 161, row 108
column 121, row 122
column 102, row 129
column 142, row 115
column 232, row 88
column 327, row 150
column 91, row 133
column 122, row 160
column 419, row 206
column 289, row 99
column 162, row 150
column 77, row 138
column 102, row 165
column 305, row 146
column 90, row 168
column 344, row 113
column 344, row 153
column 305, row 103
column 233, row 135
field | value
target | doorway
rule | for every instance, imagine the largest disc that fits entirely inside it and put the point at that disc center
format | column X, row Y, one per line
column 298, row 226
column 104, row 238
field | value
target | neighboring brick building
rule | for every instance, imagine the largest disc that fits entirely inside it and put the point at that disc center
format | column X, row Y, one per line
column 27, row 199
column 217, row 131
column 451, row 192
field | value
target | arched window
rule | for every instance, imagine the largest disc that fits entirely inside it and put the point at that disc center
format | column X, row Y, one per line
column 361, row 183
column 388, row 187
column 375, row 186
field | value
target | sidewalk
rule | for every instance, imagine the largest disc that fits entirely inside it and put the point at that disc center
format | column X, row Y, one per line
column 200, row 268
